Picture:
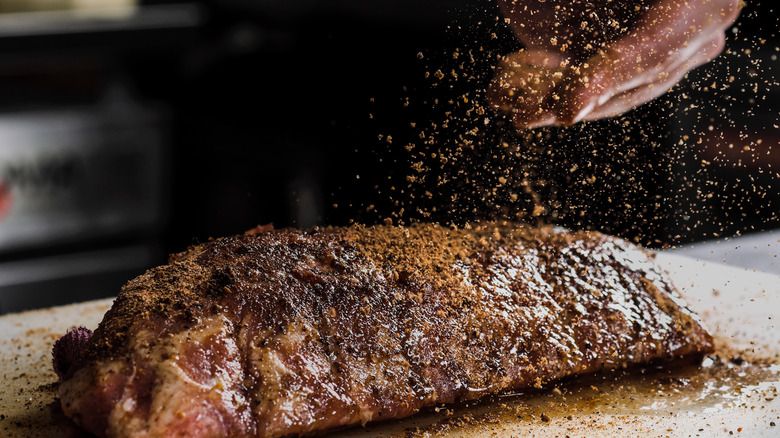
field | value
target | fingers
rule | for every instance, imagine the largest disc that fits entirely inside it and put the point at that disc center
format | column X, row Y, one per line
column 628, row 100
column 671, row 31
column 573, row 26
column 672, row 39
column 606, row 88
column 524, row 84
column 706, row 52
column 538, row 87
column 663, row 82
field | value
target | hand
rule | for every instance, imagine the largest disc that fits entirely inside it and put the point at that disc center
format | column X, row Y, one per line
column 586, row 60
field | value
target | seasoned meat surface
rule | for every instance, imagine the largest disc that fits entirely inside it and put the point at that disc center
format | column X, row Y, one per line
column 284, row 332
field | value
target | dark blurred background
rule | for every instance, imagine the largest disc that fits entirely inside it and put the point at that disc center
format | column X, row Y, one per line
column 132, row 130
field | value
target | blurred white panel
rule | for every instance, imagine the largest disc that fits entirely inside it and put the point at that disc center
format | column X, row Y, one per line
column 758, row 252
column 76, row 175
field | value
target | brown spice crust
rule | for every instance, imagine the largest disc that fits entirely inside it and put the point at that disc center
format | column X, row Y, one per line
column 397, row 318
column 427, row 254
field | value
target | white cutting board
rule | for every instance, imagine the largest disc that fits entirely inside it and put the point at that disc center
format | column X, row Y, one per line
column 741, row 308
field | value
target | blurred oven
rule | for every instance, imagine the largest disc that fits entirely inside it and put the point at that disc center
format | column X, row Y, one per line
column 83, row 196
column 78, row 175
column 85, row 143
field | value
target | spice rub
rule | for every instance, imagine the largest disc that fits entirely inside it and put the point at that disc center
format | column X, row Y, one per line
column 282, row 332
